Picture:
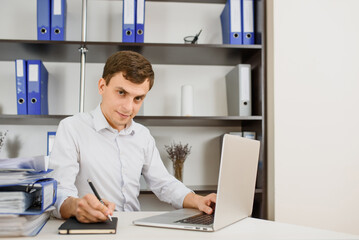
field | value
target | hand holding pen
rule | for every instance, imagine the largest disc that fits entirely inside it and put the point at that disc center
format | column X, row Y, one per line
column 98, row 196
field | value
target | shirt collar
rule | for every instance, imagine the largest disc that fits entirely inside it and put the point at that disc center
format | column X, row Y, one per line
column 100, row 123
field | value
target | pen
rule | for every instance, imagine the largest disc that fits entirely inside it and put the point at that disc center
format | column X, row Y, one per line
column 196, row 37
column 98, row 196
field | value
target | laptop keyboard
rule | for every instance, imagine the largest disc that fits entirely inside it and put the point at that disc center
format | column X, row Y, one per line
column 204, row 219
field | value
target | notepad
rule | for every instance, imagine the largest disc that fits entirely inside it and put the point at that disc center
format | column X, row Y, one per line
column 72, row 226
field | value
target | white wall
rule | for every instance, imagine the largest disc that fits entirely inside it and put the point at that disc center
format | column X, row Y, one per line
column 165, row 22
column 315, row 93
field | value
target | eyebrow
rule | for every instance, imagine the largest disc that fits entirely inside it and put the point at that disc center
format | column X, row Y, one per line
column 124, row 90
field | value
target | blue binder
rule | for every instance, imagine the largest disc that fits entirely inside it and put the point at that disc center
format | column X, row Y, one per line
column 231, row 21
column 21, row 86
column 43, row 19
column 37, row 79
column 248, row 21
column 41, row 194
column 140, row 20
column 128, row 23
column 58, row 20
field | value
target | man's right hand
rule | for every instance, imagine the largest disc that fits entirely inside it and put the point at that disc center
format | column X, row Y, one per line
column 87, row 209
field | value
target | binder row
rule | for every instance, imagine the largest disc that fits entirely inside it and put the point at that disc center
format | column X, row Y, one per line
column 51, row 20
column 237, row 21
column 31, row 87
column 133, row 21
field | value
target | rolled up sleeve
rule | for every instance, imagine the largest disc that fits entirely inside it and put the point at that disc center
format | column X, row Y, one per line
column 64, row 161
column 165, row 186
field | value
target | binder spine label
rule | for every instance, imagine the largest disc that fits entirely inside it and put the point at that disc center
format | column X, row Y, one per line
column 140, row 11
column 19, row 68
column 248, row 16
column 57, row 7
column 235, row 9
column 128, row 10
column 33, row 72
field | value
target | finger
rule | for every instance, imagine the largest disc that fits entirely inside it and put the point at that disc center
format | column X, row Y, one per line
column 212, row 197
column 82, row 219
column 92, row 209
column 85, row 213
column 210, row 202
column 207, row 209
column 95, row 215
column 94, row 203
column 110, row 205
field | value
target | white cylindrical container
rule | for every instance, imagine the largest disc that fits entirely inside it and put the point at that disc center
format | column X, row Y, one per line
column 187, row 100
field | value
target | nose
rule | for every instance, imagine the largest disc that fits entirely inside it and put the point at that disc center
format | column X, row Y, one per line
column 127, row 106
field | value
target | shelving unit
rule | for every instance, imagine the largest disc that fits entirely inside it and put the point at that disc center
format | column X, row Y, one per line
column 160, row 53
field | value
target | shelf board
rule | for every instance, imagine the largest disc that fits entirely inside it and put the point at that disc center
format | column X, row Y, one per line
column 201, row 189
column 145, row 120
column 156, row 53
column 194, row 121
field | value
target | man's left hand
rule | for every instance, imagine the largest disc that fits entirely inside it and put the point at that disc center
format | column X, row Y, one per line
column 203, row 203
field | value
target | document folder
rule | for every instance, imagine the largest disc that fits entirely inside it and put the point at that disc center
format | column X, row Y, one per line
column 248, row 22
column 21, row 86
column 43, row 19
column 140, row 21
column 239, row 87
column 58, row 20
column 40, row 195
column 128, row 23
column 37, row 79
column 231, row 21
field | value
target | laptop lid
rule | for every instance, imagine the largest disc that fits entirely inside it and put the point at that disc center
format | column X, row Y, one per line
column 237, row 180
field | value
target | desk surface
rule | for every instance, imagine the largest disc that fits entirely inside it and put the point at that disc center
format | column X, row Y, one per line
column 249, row 228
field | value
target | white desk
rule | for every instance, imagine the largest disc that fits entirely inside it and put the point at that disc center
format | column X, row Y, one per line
column 249, row 228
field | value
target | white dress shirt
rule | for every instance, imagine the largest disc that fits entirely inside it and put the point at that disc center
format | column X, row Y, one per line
column 87, row 147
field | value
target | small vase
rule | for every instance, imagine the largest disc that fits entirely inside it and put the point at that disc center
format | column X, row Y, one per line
column 178, row 169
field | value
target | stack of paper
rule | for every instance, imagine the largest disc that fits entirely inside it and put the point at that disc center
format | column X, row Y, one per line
column 25, row 195
column 22, row 225
column 15, row 201
column 13, row 176
column 37, row 163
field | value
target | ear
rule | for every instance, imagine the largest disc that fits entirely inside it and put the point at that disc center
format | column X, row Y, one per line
column 101, row 85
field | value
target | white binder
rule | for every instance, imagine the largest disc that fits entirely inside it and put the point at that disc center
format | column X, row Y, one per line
column 239, row 87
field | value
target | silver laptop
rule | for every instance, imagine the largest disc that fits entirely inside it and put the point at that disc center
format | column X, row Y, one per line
column 235, row 192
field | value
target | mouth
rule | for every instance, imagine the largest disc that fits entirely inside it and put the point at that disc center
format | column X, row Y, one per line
column 123, row 115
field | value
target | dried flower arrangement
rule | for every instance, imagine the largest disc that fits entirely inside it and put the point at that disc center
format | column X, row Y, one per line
column 178, row 154
column 2, row 138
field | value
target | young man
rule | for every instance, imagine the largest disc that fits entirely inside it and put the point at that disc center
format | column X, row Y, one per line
column 112, row 150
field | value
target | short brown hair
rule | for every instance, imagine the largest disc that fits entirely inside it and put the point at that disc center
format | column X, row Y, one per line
column 134, row 67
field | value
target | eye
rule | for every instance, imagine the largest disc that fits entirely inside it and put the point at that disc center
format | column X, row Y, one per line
column 121, row 92
column 138, row 99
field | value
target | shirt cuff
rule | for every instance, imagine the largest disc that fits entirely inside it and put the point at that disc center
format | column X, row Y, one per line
column 61, row 197
column 178, row 203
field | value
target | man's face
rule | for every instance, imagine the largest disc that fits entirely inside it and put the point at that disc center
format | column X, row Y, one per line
column 121, row 99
